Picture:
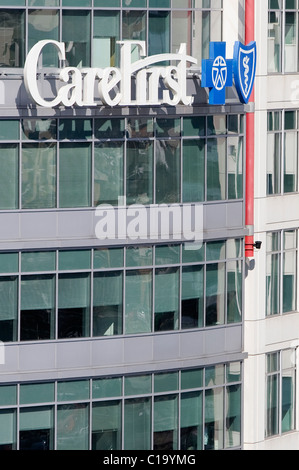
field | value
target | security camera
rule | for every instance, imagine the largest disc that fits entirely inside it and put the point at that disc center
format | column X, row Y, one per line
column 258, row 245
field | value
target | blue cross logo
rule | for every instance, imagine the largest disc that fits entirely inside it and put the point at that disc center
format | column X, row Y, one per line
column 217, row 73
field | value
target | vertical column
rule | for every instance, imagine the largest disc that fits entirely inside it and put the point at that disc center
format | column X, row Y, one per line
column 250, row 138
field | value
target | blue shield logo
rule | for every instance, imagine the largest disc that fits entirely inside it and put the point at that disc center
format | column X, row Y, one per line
column 244, row 69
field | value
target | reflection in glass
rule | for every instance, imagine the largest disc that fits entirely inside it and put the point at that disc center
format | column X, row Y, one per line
column 234, row 291
column 235, row 167
column 107, row 303
column 139, row 172
column 8, row 439
column 137, row 424
column 233, row 416
column 78, row 45
column 108, row 172
column 215, row 294
column 72, row 427
column 37, row 307
column 44, row 24
column 214, row 420
column 12, row 38
column 105, row 36
column 38, row 176
column 273, row 163
column 193, row 171
column 138, row 301
column 159, row 32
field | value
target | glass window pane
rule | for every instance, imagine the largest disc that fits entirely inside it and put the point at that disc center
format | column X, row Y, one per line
column 37, row 429
column 166, row 307
column 37, row 307
column 134, row 28
column 34, row 261
column 191, row 378
column 12, row 38
column 192, row 421
column 72, row 427
column 74, row 260
column 103, row 3
column 74, row 305
column 274, row 41
column 138, row 301
column 108, row 258
column 166, row 382
column 288, row 400
column 272, row 422
column 107, row 388
column 44, row 24
column 137, row 424
column 38, row 176
column 39, row 129
column 235, row 167
column 216, row 169
column 108, row 173
column 75, row 129
column 9, row 262
column 216, row 250
column 105, row 35
column 195, row 126
column 233, row 372
column 192, row 297
column 214, row 419
column 106, row 425
column 193, row 170
column 168, row 171
column 107, row 303
column 181, row 30
column 289, row 281
column 166, row 423
column 79, row 3
column 233, row 416
column 73, row 390
column 43, row 3
column 167, row 254
column 109, row 128
column 234, row 291
column 290, row 42
column 36, row 393
column 140, row 172
column 139, row 256
column 290, row 162
column 9, row 176
column 8, row 428
column 9, row 129
column 8, row 395
column 78, row 46
column 193, row 252
column 215, row 294
column 168, row 128
column 9, row 308
column 159, row 32
column 138, row 385
column 273, row 284
column 74, row 175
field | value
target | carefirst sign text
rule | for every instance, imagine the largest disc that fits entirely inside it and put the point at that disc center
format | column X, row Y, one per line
column 114, row 84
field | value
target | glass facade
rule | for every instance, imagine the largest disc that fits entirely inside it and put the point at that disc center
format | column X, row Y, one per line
column 193, row 409
column 74, row 290
column 164, row 25
column 77, row 163
column 116, row 291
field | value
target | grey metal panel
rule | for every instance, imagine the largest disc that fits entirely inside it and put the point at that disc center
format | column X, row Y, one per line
column 55, row 228
column 118, row 355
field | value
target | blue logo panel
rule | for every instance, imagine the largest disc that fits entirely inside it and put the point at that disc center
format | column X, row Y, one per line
column 217, row 73
column 244, row 69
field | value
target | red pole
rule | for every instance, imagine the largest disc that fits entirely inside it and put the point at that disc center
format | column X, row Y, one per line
column 249, row 192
